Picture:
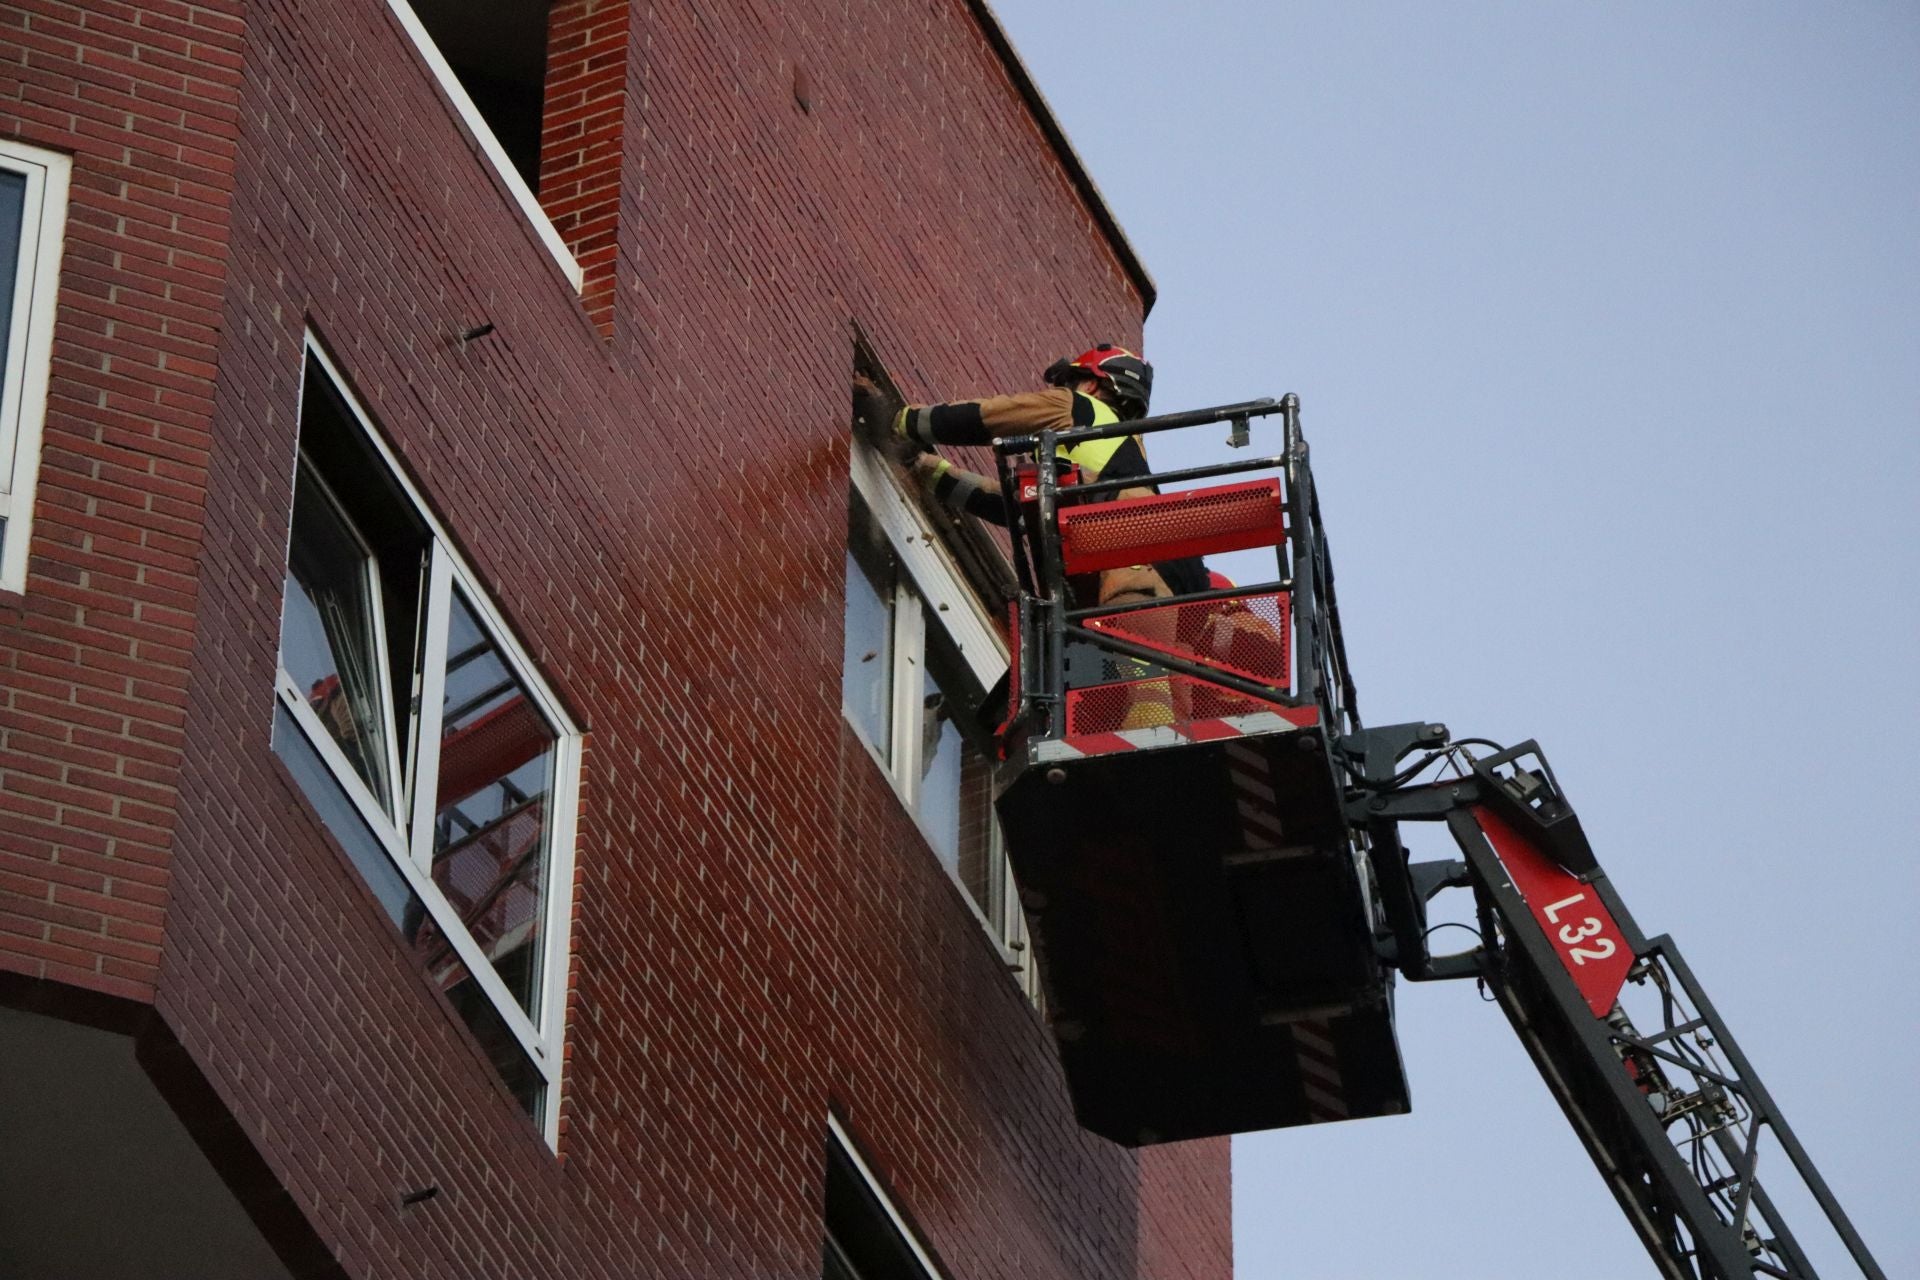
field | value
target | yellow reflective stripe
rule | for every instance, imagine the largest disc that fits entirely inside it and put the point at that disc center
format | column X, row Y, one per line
column 1094, row 455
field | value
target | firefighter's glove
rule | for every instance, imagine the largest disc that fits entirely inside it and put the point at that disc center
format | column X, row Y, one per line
column 877, row 414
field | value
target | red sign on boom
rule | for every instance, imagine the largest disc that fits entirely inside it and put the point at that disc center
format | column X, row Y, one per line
column 1581, row 929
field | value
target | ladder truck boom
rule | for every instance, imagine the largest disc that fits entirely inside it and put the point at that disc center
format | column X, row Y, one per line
column 1666, row 1103
column 1208, row 847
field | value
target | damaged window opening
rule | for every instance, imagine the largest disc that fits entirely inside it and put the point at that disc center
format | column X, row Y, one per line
column 920, row 655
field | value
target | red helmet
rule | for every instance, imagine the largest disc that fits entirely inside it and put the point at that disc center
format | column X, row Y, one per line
column 1126, row 377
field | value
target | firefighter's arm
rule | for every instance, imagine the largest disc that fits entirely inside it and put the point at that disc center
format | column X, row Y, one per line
column 977, row 422
column 959, row 490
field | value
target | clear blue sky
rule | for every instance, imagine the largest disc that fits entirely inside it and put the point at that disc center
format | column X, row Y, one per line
column 1606, row 320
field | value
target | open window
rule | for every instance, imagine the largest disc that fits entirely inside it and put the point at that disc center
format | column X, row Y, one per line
column 427, row 742
column 921, row 656
column 33, row 215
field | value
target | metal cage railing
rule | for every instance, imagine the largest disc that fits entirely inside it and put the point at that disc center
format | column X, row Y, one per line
column 1050, row 624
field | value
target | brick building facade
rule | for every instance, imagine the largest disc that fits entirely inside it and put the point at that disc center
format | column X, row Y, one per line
column 680, row 964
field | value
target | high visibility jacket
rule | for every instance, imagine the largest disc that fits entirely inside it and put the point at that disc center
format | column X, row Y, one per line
column 1094, row 456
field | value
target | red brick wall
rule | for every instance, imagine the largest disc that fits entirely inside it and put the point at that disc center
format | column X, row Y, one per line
column 94, row 656
column 1186, row 1213
column 760, row 933
column 582, row 126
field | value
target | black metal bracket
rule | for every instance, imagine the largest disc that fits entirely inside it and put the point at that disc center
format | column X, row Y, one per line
column 1403, row 898
column 1377, row 752
column 1531, row 799
column 1429, row 802
column 1429, row 878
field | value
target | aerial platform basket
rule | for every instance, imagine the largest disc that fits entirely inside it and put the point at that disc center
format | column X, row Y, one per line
column 1203, row 924
column 1202, row 927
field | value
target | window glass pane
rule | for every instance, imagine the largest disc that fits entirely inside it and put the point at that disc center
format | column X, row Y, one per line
column 334, row 448
column 496, row 1038
column 498, row 51
column 328, row 641
column 13, row 206
column 981, row 860
column 490, row 827
column 867, row 688
column 836, row 1265
column 337, row 812
column 940, row 749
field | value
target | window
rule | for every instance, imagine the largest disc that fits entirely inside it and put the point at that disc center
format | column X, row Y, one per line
column 427, row 742
column 921, row 654
column 864, row 1236
column 33, row 217
column 490, row 59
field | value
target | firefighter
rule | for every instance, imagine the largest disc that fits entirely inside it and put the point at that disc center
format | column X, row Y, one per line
column 1103, row 385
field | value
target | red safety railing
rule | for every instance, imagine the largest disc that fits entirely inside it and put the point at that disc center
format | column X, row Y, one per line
column 1091, row 668
column 1171, row 526
column 1245, row 635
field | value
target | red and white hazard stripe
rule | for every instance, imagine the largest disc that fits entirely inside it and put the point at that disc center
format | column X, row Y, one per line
column 1263, row 837
column 1318, row 1059
column 1076, row 746
column 1256, row 807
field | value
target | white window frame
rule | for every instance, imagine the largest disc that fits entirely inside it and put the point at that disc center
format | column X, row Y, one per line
column 844, row 1141
column 930, row 590
column 543, row 1037
column 925, row 559
column 1005, row 920
column 490, row 147
column 29, row 354
column 394, row 768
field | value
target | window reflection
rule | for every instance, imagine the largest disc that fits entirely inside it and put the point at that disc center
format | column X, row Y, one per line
column 328, row 642
column 502, row 1047
column 490, row 825
column 867, row 687
column 13, row 211
column 982, row 862
column 940, row 749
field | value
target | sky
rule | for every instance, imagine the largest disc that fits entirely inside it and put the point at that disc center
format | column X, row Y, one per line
column 1606, row 325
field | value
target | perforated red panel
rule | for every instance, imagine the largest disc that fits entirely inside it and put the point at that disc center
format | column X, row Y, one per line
column 1195, row 522
column 1248, row 636
column 1154, row 703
